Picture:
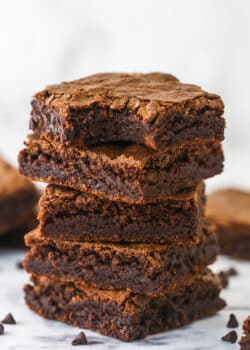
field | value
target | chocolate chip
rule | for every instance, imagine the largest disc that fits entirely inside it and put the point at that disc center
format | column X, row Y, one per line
column 223, row 279
column 9, row 319
column 1, row 329
column 230, row 337
column 232, row 322
column 19, row 265
column 232, row 272
column 80, row 339
column 225, row 274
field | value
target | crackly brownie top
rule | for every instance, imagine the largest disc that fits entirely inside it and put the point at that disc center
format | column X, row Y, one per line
column 229, row 206
column 11, row 181
column 149, row 94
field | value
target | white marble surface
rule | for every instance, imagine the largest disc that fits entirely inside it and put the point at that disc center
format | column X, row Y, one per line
column 34, row 333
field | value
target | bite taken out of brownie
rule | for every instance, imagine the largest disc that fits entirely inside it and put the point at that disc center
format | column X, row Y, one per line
column 141, row 268
column 123, row 314
column 154, row 109
column 72, row 215
column 122, row 172
column 18, row 200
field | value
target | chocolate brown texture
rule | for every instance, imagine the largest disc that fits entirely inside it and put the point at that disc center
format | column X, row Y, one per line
column 14, row 239
column 246, row 326
column 128, row 173
column 123, row 314
column 229, row 210
column 18, row 199
column 77, row 216
column 141, row 268
column 154, row 109
column 245, row 339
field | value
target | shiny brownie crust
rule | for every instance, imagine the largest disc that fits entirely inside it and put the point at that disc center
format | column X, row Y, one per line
column 154, row 109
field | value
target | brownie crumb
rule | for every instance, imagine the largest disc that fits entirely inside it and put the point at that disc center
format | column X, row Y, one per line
column 1, row 329
column 232, row 322
column 224, row 279
column 19, row 265
column 9, row 319
column 224, row 276
column 80, row 339
column 230, row 337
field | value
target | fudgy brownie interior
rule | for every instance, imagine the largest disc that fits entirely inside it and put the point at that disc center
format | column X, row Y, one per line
column 154, row 109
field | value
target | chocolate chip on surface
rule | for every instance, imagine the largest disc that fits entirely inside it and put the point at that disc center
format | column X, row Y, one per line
column 9, row 319
column 19, row 265
column 223, row 279
column 225, row 275
column 232, row 272
column 232, row 322
column 230, row 337
column 80, row 339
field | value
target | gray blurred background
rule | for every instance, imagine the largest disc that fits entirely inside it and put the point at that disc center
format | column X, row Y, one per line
column 206, row 42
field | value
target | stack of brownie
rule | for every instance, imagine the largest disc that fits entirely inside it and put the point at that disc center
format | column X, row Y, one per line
column 122, row 246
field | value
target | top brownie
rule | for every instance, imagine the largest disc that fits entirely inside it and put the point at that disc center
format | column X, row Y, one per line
column 153, row 109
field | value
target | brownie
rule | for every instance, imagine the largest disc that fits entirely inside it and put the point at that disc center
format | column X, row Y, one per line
column 246, row 326
column 18, row 199
column 154, row 109
column 122, row 172
column 123, row 314
column 77, row 216
column 14, row 239
column 141, row 268
column 245, row 339
column 229, row 210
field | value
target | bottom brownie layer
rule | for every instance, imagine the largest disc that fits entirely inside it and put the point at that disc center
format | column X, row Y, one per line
column 123, row 314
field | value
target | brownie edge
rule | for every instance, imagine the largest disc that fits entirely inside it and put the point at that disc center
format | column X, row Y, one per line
column 125, row 315
column 229, row 210
column 141, row 268
column 126, row 173
column 153, row 109
column 73, row 215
